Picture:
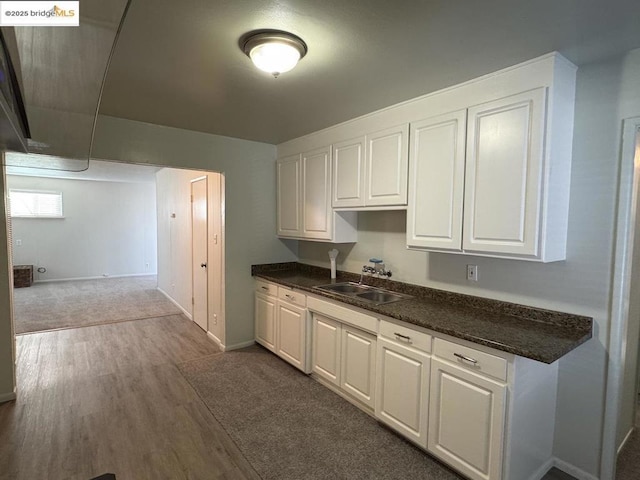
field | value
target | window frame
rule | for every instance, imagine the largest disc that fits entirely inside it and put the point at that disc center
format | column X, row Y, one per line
column 37, row 192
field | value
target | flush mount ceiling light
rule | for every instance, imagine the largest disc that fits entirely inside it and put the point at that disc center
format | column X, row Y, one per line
column 274, row 51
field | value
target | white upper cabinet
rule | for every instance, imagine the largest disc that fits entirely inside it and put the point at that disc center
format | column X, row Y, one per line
column 436, row 189
column 501, row 188
column 386, row 167
column 370, row 172
column 289, row 199
column 316, row 188
column 504, row 187
column 348, row 173
column 482, row 168
column 304, row 200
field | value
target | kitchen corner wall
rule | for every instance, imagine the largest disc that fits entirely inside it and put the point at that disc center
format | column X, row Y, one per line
column 250, row 193
column 607, row 92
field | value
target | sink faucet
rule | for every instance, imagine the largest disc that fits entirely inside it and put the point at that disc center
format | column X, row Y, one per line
column 377, row 269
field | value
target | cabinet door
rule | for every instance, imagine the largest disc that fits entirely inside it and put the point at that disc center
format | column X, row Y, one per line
column 387, row 167
column 466, row 421
column 402, row 389
column 326, row 348
column 503, row 187
column 348, row 173
column 265, row 321
column 436, row 190
column 358, row 374
column 289, row 196
column 291, row 334
column 316, row 191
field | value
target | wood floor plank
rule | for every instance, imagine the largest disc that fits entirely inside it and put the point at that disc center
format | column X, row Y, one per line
column 110, row 398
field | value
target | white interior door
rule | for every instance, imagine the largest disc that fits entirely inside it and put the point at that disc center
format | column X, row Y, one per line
column 199, row 251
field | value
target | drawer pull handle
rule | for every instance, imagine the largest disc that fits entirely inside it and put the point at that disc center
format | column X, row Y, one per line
column 404, row 338
column 465, row 358
column 264, row 288
column 290, row 297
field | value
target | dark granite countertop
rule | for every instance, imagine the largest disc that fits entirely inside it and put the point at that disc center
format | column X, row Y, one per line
column 535, row 333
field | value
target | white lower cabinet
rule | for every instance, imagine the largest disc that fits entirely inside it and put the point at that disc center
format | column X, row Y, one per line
column 291, row 334
column 326, row 348
column 281, row 323
column 466, row 420
column 265, row 315
column 488, row 414
column 343, row 355
column 402, row 389
column 358, row 364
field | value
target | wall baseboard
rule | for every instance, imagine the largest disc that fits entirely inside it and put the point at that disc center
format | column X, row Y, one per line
column 217, row 341
column 99, row 277
column 237, row 346
column 541, row 472
column 572, row 470
column 184, row 312
column 7, row 397
column 626, row 438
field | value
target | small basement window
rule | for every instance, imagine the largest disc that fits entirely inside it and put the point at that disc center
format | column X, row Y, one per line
column 35, row 204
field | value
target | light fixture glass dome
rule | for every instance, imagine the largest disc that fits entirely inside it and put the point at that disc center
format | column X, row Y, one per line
column 274, row 57
column 274, row 52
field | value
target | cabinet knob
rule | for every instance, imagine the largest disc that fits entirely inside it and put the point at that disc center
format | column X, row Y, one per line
column 290, row 297
column 465, row 358
column 264, row 288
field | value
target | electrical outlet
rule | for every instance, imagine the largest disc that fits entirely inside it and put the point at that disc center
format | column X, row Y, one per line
column 472, row 273
column 18, row 243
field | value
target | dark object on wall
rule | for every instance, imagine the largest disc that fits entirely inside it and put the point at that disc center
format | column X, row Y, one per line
column 22, row 276
column 106, row 476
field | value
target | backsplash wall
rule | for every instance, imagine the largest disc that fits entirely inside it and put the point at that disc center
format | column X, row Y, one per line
column 382, row 235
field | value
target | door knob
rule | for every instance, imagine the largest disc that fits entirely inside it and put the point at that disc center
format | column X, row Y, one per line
column 203, row 265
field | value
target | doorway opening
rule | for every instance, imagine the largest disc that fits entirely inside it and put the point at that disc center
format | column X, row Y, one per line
column 118, row 251
column 620, row 425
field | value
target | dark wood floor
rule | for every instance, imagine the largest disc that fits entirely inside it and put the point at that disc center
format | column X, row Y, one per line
column 110, row 398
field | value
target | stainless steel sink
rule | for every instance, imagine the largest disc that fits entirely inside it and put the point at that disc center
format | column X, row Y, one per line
column 347, row 287
column 373, row 295
column 378, row 297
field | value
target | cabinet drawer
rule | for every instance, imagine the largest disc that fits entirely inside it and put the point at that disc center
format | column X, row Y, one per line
column 343, row 314
column 406, row 335
column 292, row 296
column 266, row 288
column 471, row 359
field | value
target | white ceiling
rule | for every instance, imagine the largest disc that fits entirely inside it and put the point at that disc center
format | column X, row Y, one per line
column 179, row 63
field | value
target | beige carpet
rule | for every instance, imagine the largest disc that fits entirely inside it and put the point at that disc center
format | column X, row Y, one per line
column 79, row 303
column 288, row 426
